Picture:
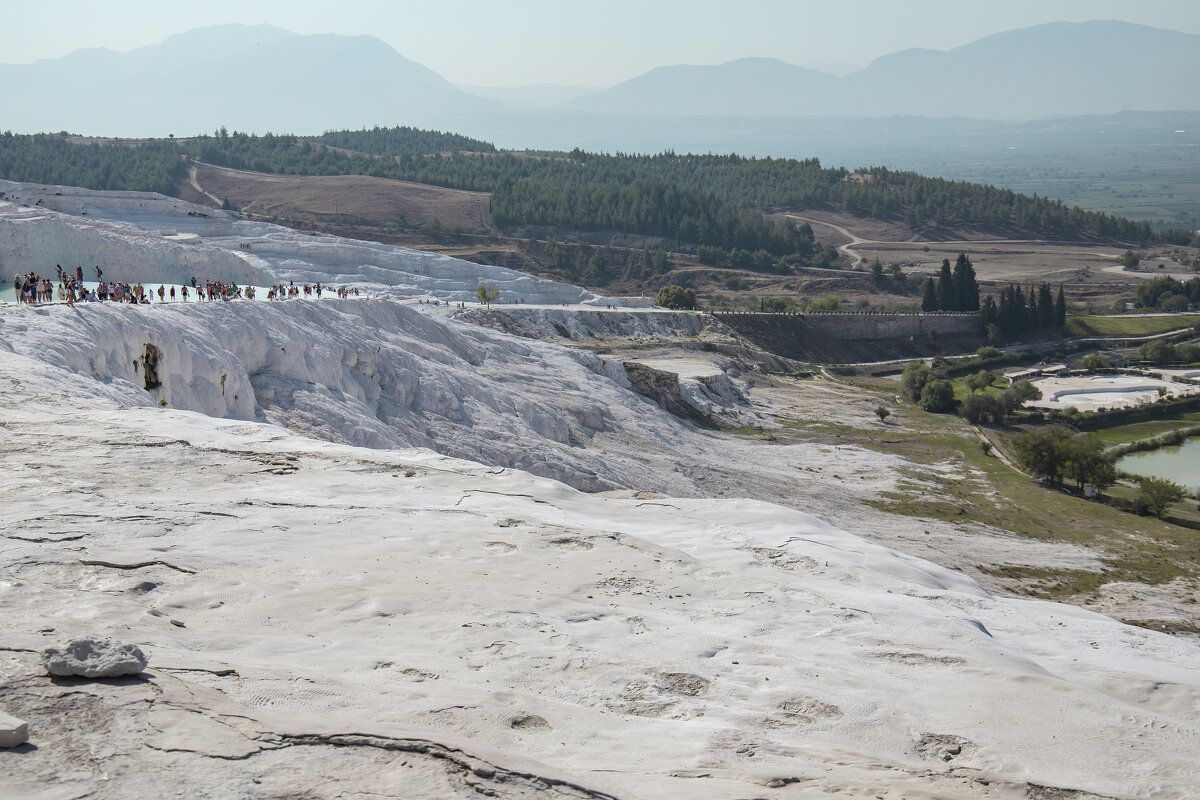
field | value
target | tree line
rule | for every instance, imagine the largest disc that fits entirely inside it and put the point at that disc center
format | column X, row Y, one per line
column 1168, row 294
column 152, row 166
column 721, row 202
column 1022, row 310
column 956, row 290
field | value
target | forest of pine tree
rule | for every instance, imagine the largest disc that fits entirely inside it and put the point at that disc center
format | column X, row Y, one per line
column 716, row 202
column 954, row 289
column 1022, row 310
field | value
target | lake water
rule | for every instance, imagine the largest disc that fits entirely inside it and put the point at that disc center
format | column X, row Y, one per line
column 1179, row 463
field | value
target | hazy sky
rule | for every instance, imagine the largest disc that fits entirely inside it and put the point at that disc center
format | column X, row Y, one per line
column 517, row 42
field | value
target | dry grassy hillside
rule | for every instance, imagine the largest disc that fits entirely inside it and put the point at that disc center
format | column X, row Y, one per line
column 354, row 199
column 458, row 223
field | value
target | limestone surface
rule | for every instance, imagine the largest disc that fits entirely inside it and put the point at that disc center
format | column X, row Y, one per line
column 331, row 541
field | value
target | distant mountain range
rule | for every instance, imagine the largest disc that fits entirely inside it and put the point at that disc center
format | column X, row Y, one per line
column 1058, row 69
column 262, row 78
column 257, row 79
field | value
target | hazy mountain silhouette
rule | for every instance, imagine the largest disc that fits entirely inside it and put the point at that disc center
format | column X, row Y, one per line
column 262, row 78
column 747, row 87
column 536, row 96
column 247, row 78
column 1056, row 69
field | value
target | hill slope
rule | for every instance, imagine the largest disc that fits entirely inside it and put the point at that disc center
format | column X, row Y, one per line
column 354, row 199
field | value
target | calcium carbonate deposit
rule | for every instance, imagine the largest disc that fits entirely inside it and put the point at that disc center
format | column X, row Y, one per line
column 350, row 538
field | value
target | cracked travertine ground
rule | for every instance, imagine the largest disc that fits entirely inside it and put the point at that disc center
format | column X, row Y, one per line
column 351, row 539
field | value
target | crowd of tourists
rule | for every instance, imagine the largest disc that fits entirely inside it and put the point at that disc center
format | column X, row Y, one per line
column 291, row 291
column 33, row 289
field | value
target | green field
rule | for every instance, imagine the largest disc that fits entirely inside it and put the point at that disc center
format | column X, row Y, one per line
column 1156, row 180
column 1129, row 326
column 1134, row 431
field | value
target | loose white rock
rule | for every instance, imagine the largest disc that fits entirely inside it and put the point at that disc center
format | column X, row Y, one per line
column 94, row 658
column 13, row 731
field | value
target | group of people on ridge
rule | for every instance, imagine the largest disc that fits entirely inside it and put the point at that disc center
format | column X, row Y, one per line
column 33, row 289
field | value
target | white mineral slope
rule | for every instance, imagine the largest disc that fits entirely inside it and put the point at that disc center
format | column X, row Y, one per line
column 146, row 237
column 671, row 648
column 380, row 374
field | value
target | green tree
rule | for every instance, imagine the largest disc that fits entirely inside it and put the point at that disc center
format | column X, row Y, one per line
column 929, row 302
column 1158, row 494
column 1129, row 259
column 937, row 396
column 1173, row 303
column 966, row 286
column 674, row 296
column 1189, row 352
column 1045, row 306
column 1094, row 361
column 1088, row 463
column 1018, row 394
column 882, row 413
column 982, row 408
column 829, row 302
column 1043, row 453
column 980, row 380
column 1157, row 351
column 486, row 295
column 947, row 292
column 913, row 379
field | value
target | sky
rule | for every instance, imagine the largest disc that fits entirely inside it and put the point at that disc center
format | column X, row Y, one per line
column 569, row 42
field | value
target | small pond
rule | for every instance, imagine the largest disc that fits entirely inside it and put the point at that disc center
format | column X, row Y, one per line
column 1179, row 463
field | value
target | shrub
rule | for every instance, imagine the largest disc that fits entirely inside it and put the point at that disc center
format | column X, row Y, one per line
column 674, row 296
column 1157, row 351
column 829, row 302
column 1158, row 494
column 980, row 380
column 916, row 374
column 982, row 408
column 937, row 396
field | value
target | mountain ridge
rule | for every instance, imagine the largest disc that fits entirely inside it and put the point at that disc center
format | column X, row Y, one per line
column 264, row 78
column 978, row 80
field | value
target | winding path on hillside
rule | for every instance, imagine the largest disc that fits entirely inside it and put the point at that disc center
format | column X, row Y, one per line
column 856, row 240
column 193, row 173
column 846, row 249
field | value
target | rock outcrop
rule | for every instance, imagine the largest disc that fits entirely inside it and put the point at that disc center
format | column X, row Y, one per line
column 13, row 731
column 94, row 658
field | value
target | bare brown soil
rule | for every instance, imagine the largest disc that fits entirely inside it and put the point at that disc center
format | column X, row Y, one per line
column 355, row 199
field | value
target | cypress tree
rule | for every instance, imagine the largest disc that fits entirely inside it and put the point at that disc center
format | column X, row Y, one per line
column 1045, row 306
column 930, row 301
column 988, row 313
column 1020, row 310
column 947, row 296
column 1060, row 309
column 966, row 287
column 1004, row 312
